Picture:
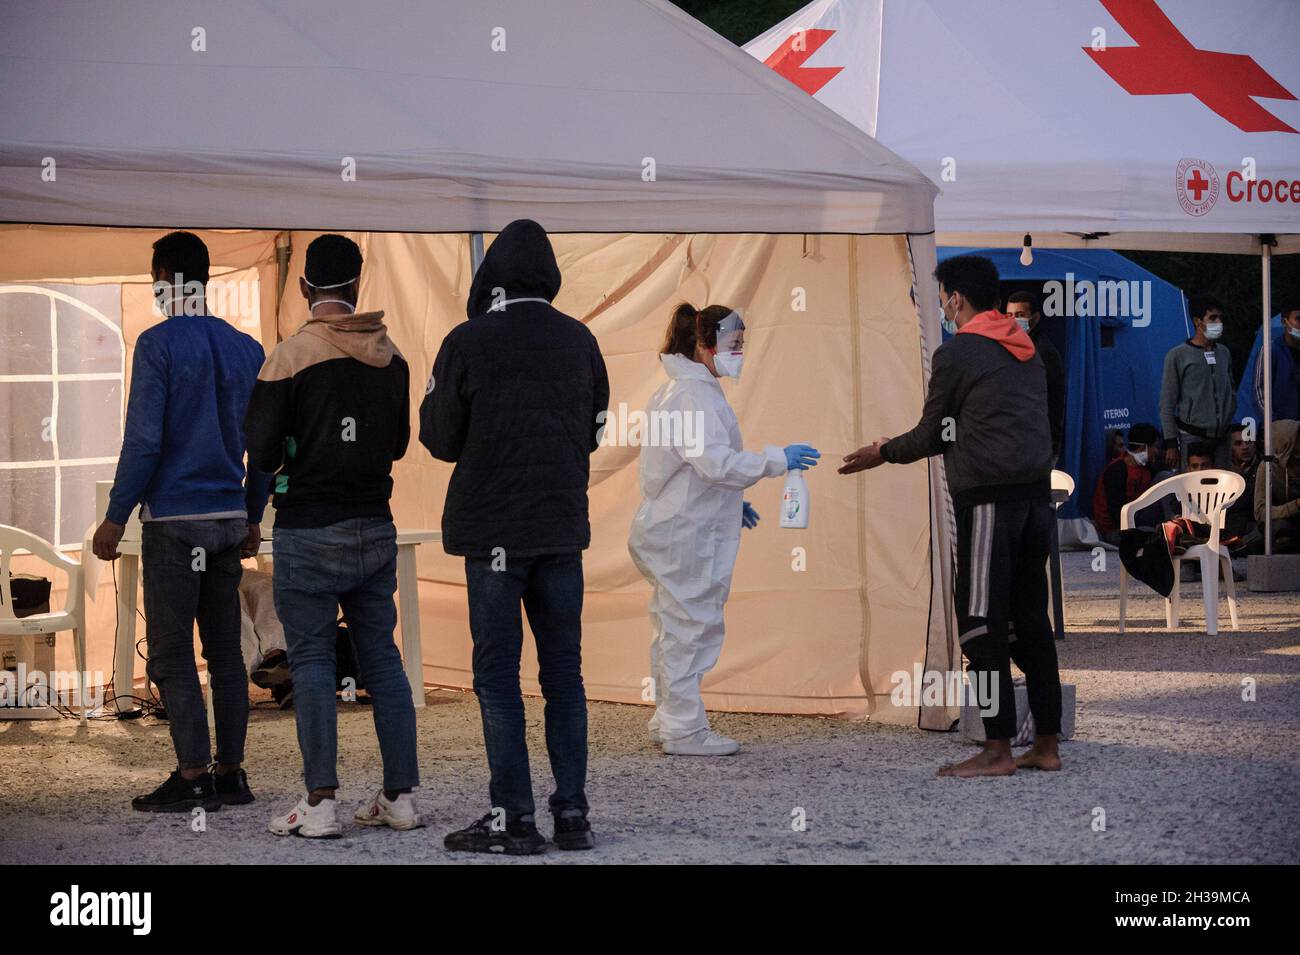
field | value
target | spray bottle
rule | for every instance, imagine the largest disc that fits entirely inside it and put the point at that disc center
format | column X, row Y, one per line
column 794, row 501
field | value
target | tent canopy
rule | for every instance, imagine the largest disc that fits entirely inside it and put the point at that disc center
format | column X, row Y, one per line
column 616, row 116
column 1147, row 142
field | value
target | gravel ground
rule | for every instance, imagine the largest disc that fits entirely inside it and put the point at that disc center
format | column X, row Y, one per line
column 1183, row 770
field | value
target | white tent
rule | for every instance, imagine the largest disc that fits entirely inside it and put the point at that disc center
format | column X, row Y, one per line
column 430, row 117
column 1027, row 128
column 1127, row 124
column 680, row 168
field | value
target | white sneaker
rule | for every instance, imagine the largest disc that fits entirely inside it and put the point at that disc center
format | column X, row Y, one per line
column 378, row 811
column 704, row 743
column 312, row 822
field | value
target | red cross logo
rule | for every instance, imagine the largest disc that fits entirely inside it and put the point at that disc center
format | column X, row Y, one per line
column 1165, row 63
column 788, row 59
column 1196, row 184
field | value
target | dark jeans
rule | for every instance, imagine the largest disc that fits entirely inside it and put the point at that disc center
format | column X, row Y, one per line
column 1002, row 610
column 191, row 572
column 353, row 565
column 550, row 589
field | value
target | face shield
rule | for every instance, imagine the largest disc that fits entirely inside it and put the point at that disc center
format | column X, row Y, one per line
column 729, row 355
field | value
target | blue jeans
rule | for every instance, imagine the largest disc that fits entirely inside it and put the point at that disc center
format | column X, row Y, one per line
column 192, row 572
column 550, row 589
column 353, row 565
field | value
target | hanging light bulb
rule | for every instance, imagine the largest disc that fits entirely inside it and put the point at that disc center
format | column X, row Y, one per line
column 1027, row 254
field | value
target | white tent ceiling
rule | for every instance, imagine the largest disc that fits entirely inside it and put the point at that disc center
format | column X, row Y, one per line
column 458, row 116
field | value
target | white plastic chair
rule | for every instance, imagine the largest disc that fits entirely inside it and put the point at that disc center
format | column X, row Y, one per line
column 1062, row 489
column 71, row 617
column 1205, row 497
column 1062, row 486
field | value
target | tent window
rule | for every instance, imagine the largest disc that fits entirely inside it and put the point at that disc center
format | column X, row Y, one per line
column 62, row 365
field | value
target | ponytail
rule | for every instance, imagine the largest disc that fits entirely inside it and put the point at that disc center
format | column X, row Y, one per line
column 690, row 326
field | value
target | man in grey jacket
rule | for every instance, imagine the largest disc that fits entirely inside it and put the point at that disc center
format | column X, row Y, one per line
column 1197, row 396
column 985, row 413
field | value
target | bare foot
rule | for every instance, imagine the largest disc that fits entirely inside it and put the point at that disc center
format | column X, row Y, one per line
column 988, row 762
column 1043, row 755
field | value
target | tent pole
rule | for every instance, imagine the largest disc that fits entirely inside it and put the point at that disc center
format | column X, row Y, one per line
column 475, row 251
column 1266, row 354
column 283, row 249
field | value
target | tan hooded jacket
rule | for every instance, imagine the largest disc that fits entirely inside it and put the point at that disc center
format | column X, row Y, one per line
column 1285, row 474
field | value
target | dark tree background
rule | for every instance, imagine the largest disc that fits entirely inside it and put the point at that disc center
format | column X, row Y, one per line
column 1234, row 279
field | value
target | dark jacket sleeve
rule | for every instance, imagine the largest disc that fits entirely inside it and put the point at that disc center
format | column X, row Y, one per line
column 402, row 430
column 257, row 491
column 600, row 393
column 267, row 423
column 926, row 439
column 257, row 483
column 1055, row 396
column 444, row 413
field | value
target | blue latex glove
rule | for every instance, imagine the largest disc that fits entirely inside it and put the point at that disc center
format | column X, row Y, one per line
column 748, row 516
column 800, row 457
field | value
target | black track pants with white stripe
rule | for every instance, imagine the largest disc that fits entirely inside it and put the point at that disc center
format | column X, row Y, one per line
column 1002, row 610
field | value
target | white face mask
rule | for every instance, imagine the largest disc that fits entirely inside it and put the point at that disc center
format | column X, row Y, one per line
column 1023, row 323
column 730, row 354
column 333, row 301
column 1293, row 332
column 1213, row 330
column 729, row 363
column 949, row 325
column 1141, row 458
column 186, row 298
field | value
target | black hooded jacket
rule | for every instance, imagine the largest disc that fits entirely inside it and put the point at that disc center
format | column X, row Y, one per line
column 513, row 402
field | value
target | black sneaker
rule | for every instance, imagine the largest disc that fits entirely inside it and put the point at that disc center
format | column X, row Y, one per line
column 272, row 671
column 179, row 794
column 231, row 788
column 572, row 830
column 519, row 838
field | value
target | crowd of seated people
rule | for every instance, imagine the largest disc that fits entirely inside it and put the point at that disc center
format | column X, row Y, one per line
column 1197, row 433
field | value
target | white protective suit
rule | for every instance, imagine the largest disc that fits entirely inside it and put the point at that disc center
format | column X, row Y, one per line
column 686, row 534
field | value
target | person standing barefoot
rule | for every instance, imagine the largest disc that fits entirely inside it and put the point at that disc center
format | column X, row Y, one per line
column 986, row 413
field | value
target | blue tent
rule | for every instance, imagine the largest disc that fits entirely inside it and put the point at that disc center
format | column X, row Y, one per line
column 1248, row 404
column 1112, row 336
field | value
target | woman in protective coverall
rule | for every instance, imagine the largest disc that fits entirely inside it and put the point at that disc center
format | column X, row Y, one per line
column 687, row 532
